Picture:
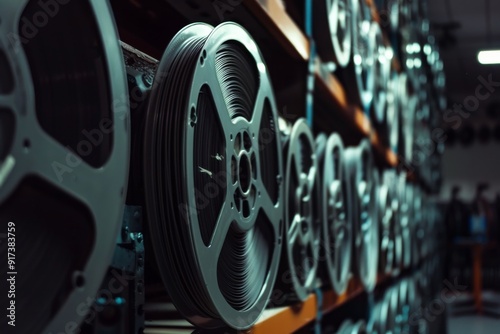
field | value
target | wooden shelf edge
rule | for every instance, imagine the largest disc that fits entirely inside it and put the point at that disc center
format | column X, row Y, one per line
column 287, row 319
column 331, row 85
column 292, row 318
column 275, row 18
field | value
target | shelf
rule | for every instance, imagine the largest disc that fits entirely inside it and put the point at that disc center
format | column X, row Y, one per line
column 287, row 319
column 275, row 18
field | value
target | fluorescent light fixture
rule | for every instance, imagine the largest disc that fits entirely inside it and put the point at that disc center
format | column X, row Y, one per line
column 489, row 57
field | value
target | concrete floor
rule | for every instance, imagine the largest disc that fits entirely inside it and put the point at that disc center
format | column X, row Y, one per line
column 473, row 325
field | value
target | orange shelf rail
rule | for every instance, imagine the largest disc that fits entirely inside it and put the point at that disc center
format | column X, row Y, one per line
column 292, row 318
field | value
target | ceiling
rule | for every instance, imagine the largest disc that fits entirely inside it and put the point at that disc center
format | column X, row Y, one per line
column 479, row 29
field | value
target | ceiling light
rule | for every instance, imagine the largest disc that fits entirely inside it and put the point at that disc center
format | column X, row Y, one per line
column 489, row 57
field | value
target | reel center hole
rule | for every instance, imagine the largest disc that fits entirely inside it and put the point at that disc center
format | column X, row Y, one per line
column 245, row 173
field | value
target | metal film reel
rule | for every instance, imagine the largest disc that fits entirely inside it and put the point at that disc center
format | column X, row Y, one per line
column 379, row 318
column 382, row 69
column 386, row 217
column 393, row 111
column 337, row 208
column 405, row 214
column 363, row 57
column 359, row 163
column 213, row 176
column 302, row 215
column 64, row 151
column 417, row 227
column 333, row 30
column 393, row 300
column 391, row 180
column 349, row 327
column 408, row 126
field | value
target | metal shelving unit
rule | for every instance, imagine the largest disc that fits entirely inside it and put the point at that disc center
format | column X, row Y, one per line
column 270, row 18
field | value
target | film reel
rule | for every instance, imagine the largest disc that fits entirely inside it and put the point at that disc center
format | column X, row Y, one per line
column 417, row 228
column 379, row 318
column 348, row 327
column 393, row 300
column 216, row 214
column 359, row 162
column 393, row 111
column 382, row 67
column 411, row 104
column 391, row 180
column 405, row 214
column 386, row 219
column 337, row 208
column 63, row 155
column 408, row 299
column 363, row 54
column 333, row 30
column 302, row 215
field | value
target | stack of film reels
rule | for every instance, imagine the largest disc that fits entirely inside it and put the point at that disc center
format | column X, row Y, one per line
column 122, row 172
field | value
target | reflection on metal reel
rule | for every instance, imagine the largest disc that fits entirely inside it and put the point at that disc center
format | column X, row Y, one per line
column 213, row 176
column 348, row 327
column 359, row 163
column 337, row 210
column 302, row 237
column 64, row 151
column 333, row 30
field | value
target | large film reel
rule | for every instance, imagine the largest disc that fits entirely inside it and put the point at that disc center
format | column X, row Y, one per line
column 64, row 151
column 213, row 176
column 359, row 162
column 333, row 30
column 337, row 227
column 302, row 237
